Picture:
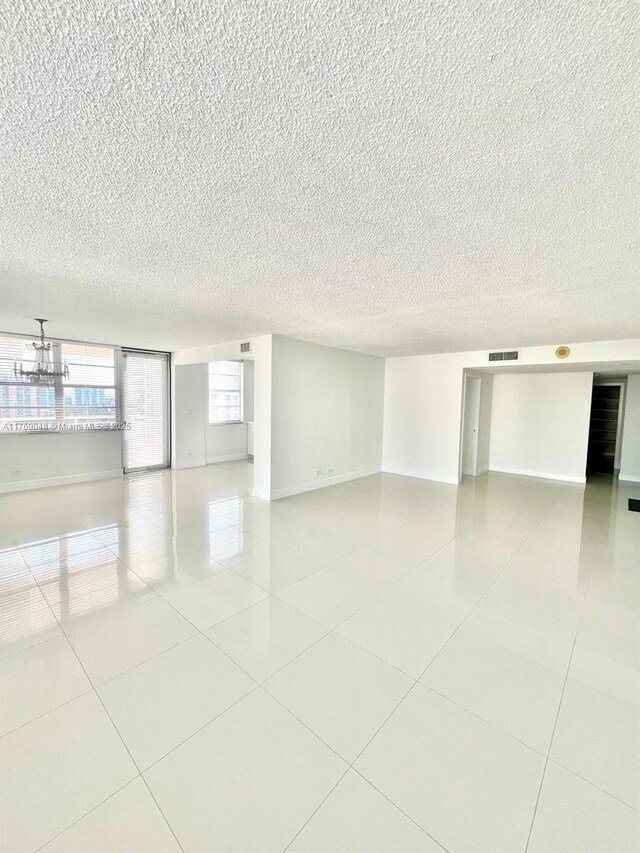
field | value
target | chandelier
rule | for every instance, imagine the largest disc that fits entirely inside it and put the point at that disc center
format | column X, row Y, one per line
column 43, row 370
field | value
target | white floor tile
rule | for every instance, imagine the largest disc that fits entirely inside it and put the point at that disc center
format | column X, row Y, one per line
column 598, row 738
column 246, row 782
column 236, row 551
column 275, row 531
column 172, row 573
column 136, row 551
column 542, row 638
column 79, row 598
column 411, row 549
column 366, row 566
column 328, row 597
column 56, row 768
column 160, row 703
column 513, row 693
column 574, row 817
column 66, row 555
column 593, row 664
column 513, row 590
column 355, row 818
column 25, row 620
column 340, row 691
column 14, row 572
column 450, row 578
column 109, row 646
column 128, row 822
column 209, row 601
column 321, row 549
column 469, row 786
column 422, row 589
column 266, row 636
column 481, row 585
column 37, row 680
column 406, row 637
column 274, row 570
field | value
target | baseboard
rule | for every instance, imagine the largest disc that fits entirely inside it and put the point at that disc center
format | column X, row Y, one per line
column 229, row 457
column 540, row 475
column 419, row 474
column 200, row 462
column 67, row 480
column 321, row 484
column 629, row 478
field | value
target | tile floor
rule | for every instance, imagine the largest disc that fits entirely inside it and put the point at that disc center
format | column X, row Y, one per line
column 385, row 665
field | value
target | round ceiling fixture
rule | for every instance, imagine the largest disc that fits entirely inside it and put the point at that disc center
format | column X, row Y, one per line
column 563, row 352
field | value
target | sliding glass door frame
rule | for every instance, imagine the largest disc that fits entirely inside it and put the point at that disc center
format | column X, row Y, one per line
column 122, row 366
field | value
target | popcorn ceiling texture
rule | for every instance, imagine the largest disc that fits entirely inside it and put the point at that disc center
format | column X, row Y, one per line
column 391, row 176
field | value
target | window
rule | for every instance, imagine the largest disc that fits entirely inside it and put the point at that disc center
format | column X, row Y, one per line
column 86, row 398
column 225, row 392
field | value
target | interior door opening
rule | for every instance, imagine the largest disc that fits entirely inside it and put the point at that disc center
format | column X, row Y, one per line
column 470, row 426
column 145, row 406
column 603, row 428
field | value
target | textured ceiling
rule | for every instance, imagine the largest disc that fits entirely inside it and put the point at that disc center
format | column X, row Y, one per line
column 392, row 177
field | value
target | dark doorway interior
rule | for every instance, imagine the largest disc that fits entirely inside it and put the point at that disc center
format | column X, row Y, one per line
column 603, row 429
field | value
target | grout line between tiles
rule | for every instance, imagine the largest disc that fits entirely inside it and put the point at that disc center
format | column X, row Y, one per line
column 115, row 728
column 91, row 689
column 317, row 808
column 593, row 785
column 200, row 728
column 488, row 590
column 557, row 716
column 329, row 631
column 395, row 805
column 117, row 731
column 92, row 809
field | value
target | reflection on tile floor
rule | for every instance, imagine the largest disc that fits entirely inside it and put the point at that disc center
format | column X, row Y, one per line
column 385, row 665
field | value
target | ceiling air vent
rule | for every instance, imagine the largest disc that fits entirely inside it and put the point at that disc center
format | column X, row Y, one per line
column 512, row 355
column 245, row 347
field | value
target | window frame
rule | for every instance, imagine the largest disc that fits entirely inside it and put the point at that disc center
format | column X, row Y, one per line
column 239, row 391
column 59, row 386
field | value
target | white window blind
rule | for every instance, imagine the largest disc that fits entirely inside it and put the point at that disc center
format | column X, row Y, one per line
column 87, row 397
column 146, row 406
column 225, row 392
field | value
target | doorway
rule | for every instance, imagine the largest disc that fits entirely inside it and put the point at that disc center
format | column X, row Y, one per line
column 603, row 428
column 471, row 425
column 145, row 407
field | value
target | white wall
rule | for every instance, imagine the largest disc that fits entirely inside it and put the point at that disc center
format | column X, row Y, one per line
column 630, row 457
column 540, row 424
column 327, row 407
column 226, row 442
column 35, row 460
column 484, row 426
column 189, row 415
column 262, row 416
column 422, row 411
column 248, row 386
column 423, row 400
column 212, row 443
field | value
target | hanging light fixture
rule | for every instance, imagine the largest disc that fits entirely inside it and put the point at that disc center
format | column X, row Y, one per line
column 43, row 371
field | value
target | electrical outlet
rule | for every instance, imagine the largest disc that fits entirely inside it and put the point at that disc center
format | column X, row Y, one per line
column 330, row 471
column 319, row 473
column 16, row 471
